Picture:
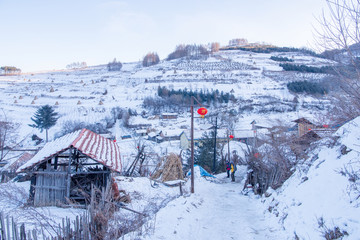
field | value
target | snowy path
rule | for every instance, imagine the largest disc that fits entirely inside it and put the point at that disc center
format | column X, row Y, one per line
column 215, row 211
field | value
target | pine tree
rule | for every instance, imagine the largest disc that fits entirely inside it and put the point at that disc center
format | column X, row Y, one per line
column 44, row 118
column 204, row 154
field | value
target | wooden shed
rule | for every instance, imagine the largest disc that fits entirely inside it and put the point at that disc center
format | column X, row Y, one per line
column 66, row 169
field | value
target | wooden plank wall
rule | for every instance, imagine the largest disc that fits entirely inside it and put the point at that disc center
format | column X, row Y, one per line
column 50, row 188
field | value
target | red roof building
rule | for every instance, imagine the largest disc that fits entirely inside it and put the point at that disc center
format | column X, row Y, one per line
column 90, row 144
column 68, row 168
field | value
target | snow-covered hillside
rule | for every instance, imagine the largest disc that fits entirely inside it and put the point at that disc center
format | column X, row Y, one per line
column 320, row 201
column 322, row 196
column 88, row 95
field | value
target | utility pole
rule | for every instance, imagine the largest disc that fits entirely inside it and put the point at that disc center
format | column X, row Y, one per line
column 192, row 144
column 215, row 146
column 202, row 111
column 228, row 140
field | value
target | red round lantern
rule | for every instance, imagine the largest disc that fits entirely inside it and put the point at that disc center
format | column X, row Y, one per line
column 202, row 111
column 231, row 136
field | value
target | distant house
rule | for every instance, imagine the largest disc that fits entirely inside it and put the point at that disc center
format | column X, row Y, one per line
column 185, row 139
column 164, row 135
column 155, row 136
column 140, row 125
column 171, row 135
column 169, row 116
column 126, row 137
column 141, row 132
column 25, row 157
column 67, row 168
column 152, row 136
column 303, row 126
column 308, row 133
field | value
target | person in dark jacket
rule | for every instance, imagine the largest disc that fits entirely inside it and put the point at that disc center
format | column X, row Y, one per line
column 228, row 167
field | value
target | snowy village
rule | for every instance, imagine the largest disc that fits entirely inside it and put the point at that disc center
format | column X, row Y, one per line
column 244, row 140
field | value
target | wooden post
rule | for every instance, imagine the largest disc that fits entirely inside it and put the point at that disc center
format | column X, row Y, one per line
column 2, row 226
column 181, row 191
column 68, row 185
column 214, row 162
column 8, row 227
column 22, row 232
column 192, row 144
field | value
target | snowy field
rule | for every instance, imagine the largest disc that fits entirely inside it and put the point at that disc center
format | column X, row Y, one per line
column 88, row 95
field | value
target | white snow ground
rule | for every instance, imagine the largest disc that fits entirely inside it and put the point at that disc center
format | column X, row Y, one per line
column 217, row 210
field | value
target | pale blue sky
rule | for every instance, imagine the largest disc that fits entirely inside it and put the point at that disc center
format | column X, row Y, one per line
column 49, row 34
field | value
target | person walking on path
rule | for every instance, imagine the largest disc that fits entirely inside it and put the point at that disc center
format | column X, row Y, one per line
column 232, row 169
column 228, row 167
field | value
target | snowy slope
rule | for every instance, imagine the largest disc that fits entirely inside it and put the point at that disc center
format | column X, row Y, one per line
column 88, row 95
column 319, row 198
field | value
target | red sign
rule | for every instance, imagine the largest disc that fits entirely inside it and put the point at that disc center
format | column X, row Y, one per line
column 231, row 136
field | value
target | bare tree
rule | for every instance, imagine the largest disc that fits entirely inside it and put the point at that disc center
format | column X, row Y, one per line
column 215, row 47
column 150, row 59
column 339, row 36
column 7, row 136
column 271, row 164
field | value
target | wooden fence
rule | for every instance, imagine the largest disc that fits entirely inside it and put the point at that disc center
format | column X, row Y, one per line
column 79, row 229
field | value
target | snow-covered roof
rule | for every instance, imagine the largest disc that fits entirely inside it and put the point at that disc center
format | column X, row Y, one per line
column 93, row 145
column 169, row 114
column 13, row 166
column 172, row 132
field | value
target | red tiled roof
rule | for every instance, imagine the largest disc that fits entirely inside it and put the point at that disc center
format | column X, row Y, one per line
column 93, row 145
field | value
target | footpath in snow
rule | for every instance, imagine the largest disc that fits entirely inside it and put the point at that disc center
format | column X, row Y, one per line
column 217, row 210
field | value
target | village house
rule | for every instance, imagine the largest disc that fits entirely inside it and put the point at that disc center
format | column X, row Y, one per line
column 9, row 170
column 169, row 116
column 303, row 126
column 171, row 134
column 141, row 132
column 66, row 169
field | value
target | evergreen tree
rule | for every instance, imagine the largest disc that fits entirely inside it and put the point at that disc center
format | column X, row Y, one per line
column 204, row 154
column 44, row 118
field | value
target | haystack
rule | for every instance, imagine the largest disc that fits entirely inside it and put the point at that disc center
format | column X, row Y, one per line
column 170, row 169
